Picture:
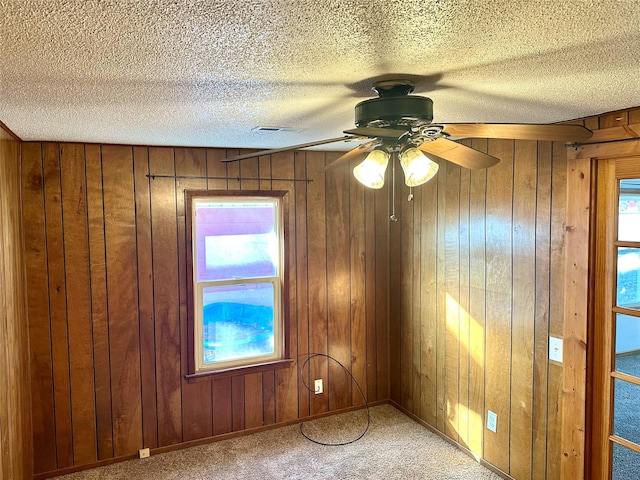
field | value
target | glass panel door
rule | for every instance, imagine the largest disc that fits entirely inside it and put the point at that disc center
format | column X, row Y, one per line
column 625, row 315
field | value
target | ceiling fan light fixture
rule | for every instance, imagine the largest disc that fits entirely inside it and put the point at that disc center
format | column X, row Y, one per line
column 370, row 172
column 417, row 167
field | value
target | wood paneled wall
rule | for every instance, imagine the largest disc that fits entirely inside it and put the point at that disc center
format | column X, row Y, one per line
column 481, row 275
column 477, row 288
column 106, row 277
column 16, row 455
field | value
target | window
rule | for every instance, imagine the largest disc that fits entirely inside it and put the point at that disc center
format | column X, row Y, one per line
column 237, row 314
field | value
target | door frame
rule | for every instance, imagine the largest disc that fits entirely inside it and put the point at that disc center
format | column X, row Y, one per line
column 580, row 231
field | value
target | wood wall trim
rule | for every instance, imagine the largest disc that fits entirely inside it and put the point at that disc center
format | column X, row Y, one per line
column 605, row 150
column 10, row 132
column 614, row 134
column 16, row 447
column 580, row 258
column 578, row 222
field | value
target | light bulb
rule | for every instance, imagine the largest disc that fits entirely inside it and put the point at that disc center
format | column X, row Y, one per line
column 371, row 171
column 417, row 167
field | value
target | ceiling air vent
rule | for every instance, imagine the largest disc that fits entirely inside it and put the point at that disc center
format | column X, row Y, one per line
column 276, row 129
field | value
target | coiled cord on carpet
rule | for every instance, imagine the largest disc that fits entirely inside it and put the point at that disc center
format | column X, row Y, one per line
column 366, row 404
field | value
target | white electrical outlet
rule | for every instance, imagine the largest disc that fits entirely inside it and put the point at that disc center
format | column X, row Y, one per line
column 318, row 387
column 555, row 349
column 492, row 421
column 144, row 453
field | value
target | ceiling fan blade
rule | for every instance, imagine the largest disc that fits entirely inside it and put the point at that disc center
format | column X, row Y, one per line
column 359, row 150
column 285, row 149
column 519, row 131
column 459, row 154
column 377, row 132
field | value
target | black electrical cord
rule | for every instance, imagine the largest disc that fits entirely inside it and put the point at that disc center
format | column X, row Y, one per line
column 366, row 404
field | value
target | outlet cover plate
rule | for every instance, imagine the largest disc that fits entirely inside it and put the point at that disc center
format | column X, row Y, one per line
column 492, row 421
column 144, row 453
column 317, row 387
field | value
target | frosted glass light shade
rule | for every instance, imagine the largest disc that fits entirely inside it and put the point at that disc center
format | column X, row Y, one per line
column 418, row 169
column 370, row 172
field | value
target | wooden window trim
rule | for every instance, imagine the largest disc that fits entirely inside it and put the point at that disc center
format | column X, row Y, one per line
column 260, row 366
column 241, row 370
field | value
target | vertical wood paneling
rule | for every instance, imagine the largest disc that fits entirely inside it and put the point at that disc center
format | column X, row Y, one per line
column 370, row 295
column 556, row 304
column 222, row 403
column 452, row 299
column 99, row 317
column 264, row 171
column 523, row 304
column 135, row 316
column 166, row 296
column 145, row 298
column 395, row 277
column 122, row 287
column 269, row 397
column 254, row 400
column 428, row 319
column 477, row 302
column 41, row 360
column 498, row 294
column 463, row 302
column 360, row 333
column 238, row 401
column 441, row 299
column 416, row 307
column 493, row 241
column 404, row 230
column 249, row 171
column 216, row 169
column 382, row 292
column 301, row 314
column 541, row 325
column 107, row 227
column 16, row 454
column 58, row 306
column 196, row 397
column 81, row 376
column 339, row 387
column 317, row 279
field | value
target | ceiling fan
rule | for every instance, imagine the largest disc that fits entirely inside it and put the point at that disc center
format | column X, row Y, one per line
column 399, row 124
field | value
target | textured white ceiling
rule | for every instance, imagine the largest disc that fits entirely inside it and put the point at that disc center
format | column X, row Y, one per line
column 204, row 73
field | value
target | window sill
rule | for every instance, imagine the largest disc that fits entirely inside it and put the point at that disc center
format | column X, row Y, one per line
column 233, row 371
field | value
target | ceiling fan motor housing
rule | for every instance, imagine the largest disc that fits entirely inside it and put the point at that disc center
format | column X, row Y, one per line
column 393, row 111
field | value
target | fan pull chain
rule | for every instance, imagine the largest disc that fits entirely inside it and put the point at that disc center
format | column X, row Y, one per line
column 393, row 217
column 410, row 197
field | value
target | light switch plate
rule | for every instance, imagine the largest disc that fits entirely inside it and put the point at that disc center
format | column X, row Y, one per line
column 555, row 349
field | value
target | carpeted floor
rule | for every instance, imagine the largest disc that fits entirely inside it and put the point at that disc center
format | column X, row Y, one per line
column 395, row 447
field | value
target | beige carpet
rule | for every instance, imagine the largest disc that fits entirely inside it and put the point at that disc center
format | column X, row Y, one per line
column 394, row 447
